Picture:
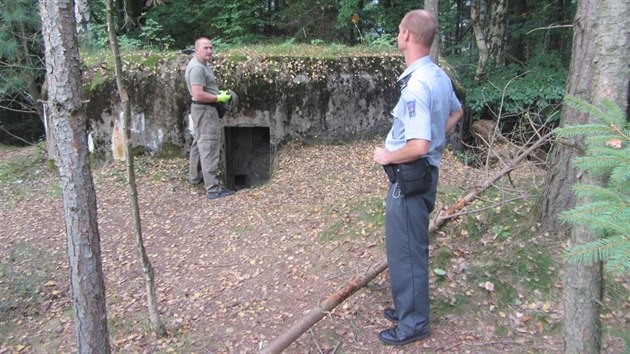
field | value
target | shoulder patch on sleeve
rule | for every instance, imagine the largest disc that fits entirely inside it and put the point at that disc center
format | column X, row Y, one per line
column 411, row 108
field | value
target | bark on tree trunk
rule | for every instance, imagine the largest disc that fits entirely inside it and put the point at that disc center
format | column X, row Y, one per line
column 79, row 198
column 488, row 19
column 581, row 296
column 562, row 174
column 433, row 6
column 517, row 42
column 598, row 70
column 82, row 14
column 477, row 16
column 612, row 75
column 583, row 283
column 154, row 314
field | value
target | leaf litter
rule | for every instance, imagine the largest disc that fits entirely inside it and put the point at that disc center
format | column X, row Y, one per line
column 233, row 273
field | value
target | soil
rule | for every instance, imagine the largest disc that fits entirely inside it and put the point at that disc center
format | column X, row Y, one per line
column 233, row 273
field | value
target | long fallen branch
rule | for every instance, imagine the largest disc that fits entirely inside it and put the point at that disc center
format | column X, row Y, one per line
column 328, row 304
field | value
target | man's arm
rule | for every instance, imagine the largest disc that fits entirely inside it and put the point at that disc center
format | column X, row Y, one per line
column 413, row 150
column 199, row 95
column 453, row 118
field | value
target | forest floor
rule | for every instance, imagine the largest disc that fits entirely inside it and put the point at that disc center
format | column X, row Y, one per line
column 233, row 273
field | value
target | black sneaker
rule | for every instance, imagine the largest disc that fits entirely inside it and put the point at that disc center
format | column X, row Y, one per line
column 220, row 192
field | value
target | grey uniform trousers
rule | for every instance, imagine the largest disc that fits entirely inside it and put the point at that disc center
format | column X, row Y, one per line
column 407, row 243
column 206, row 146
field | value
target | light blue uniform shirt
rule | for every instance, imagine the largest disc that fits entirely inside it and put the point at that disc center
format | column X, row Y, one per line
column 426, row 101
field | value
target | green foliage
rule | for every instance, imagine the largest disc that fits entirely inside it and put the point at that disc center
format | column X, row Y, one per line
column 236, row 22
column 152, row 35
column 182, row 21
column 347, row 9
column 502, row 231
column 383, row 40
column 21, row 65
column 605, row 206
column 513, row 90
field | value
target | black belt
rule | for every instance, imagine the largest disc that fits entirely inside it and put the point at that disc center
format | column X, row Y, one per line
column 213, row 104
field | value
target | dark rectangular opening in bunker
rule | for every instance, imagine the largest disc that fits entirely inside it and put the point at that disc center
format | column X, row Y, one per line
column 247, row 156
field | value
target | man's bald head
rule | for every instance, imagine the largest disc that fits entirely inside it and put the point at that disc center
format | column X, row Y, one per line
column 200, row 41
column 422, row 25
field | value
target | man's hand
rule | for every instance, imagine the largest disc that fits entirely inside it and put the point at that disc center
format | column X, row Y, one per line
column 380, row 156
column 223, row 97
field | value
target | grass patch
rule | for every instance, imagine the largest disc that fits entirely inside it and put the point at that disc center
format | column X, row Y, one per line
column 23, row 171
column 533, row 268
column 23, row 166
column 364, row 218
column 504, row 293
column 307, row 51
column 24, row 271
column 458, row 303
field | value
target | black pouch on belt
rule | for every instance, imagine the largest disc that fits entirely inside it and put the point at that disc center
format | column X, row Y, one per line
column 413, row 177
column 390, row 170
column 221, row 107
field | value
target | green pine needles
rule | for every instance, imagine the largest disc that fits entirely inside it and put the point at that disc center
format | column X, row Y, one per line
column 605, row 207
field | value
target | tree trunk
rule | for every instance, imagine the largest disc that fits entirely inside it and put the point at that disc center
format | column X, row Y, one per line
column 82, row 14
column 496, row 29
column 517, row 42
column 433, row 6
column 562, row 174
column 488, row 19
column 154, row 314
column 597, row 71
column 581, row 296
column 477, row 17
column 612, row 74
column 79, row 198
column 583, row 283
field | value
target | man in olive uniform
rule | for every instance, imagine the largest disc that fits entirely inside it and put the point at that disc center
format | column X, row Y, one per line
column 206, row 145
column 427, row 108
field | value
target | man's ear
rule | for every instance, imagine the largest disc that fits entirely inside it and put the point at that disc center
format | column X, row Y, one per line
column 406, row 35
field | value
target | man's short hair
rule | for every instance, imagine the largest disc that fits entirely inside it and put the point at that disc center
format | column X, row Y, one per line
column 200, row 39
column 422, row 25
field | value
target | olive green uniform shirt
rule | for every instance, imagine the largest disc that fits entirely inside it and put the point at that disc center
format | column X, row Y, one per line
column 198, row 73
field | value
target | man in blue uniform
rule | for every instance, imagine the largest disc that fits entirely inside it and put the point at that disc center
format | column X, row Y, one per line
column 206, row 145
column 426, row 110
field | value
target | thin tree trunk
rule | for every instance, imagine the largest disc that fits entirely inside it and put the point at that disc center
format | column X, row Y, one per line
column 488, row 19
column 477, row 17
column 82, row 14
column 497, row 23
column 433, row 6
column 517, row 42
column 79, row 197
column 154, row 314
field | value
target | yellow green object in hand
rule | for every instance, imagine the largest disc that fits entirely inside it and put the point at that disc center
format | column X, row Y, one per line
column 223, row 97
